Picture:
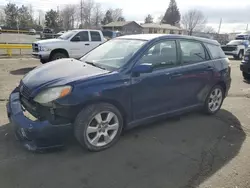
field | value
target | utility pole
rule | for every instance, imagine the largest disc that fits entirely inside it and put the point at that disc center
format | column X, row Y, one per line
column 81, row 14
column 247, row 28
column 219, row 26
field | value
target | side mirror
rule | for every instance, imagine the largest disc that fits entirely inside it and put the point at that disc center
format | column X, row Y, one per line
column 76, row 39
column 142, row 68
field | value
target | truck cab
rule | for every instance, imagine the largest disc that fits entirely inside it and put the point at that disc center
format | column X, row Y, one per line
column 72, row 44
column 236, row 48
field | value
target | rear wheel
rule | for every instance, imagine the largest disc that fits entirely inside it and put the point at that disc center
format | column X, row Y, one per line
column 246, row 75
column 98, row 126
column 58, row 55
column 214, row 100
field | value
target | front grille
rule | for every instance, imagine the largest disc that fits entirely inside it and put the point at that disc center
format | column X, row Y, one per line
column 24, row 90
column 35, row 47
column 228, row 48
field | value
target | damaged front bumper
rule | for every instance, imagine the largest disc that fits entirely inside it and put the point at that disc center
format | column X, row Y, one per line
column 34, row 135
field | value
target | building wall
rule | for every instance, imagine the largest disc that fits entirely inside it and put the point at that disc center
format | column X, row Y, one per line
column 131, row 28
column 161, row 31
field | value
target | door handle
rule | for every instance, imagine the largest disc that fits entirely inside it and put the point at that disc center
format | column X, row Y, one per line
column 210, row 68
column 174, row 75
column 87, row 44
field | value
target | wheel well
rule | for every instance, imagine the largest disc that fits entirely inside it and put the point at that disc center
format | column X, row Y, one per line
column 223, row 85
column 110, row 101
column 59, row 50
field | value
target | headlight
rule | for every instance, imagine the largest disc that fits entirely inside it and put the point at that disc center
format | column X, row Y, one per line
column 43, row 48
column 52, row 94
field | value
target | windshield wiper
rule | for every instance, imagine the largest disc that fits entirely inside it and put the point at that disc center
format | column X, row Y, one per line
column 95, row 65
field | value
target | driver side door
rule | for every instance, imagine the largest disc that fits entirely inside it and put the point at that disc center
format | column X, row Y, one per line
column 80, row 44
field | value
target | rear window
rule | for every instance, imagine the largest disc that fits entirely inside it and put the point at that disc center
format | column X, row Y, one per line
column 215, row 51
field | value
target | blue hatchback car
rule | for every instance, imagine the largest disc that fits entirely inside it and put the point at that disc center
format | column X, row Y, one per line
column 124, row 82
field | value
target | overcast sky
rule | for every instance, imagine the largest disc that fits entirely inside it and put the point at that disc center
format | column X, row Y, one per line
column 235, row 13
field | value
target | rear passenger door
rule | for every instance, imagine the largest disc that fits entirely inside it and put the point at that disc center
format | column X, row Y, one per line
column 197, row 72
column 95, row 38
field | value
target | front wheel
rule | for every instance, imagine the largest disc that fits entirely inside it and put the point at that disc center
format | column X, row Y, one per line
column 98, row 126
column 58, row 55
column 214, row 100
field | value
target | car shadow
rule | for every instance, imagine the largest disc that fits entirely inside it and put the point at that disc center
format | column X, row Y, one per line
column 246, row 81
column 178, row 152
column 22, row 71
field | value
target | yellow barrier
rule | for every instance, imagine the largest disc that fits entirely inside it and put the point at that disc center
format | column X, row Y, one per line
column 14, row 31
column 9, row 47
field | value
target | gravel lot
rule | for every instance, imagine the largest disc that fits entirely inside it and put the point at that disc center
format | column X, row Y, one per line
column 193, row 150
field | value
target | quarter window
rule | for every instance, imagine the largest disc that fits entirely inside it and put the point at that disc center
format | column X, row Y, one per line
column 215, row 51
column 95, row 36
column 192, row 52
column 161, row 55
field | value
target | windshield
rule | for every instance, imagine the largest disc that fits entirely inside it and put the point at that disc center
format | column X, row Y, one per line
column 114, row 53
column 67, row 35
column 235, row 42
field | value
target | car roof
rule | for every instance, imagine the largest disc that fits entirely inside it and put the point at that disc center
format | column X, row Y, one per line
column 85, row 30
column 149, row 37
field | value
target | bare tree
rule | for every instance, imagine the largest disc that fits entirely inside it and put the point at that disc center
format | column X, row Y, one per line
column 209, row 29
column 68, row 17
column 193, row 20
column 88, row 6
column 97, row 15
column 116, row 13
column 2, row 16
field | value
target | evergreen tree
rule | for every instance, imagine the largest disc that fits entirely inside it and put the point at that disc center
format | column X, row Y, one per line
column 172, row 15
column 149, row 19
column 108, row 18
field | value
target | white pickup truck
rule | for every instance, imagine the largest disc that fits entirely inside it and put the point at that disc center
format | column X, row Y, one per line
column 236, row 48
column 72, row 44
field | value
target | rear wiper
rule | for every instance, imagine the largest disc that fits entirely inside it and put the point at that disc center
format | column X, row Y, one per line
column 95, row 65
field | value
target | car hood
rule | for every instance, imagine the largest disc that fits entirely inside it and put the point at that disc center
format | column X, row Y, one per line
column 49, row 41
column 60, row 72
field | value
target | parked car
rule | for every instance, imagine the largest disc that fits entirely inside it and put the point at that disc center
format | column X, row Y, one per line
column 47, row 33
column 32, row 31
column 109, row 34
column 245, row 65
column 73, row 44
column 236, row 48
column 122, row 83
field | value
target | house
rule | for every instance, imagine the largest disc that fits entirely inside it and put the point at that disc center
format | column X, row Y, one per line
column 161, row 28
column 126, row 28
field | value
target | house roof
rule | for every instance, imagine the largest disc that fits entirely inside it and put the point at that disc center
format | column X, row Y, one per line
column 119, row 24
column 161, row 26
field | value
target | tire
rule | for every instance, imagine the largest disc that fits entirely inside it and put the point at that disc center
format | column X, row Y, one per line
column 208, row 107
column 58, row 55
column 43, row 61
column 240, row 55
column 246, row 76
column 93, row 135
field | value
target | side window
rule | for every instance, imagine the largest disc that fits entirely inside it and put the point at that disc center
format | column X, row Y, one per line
column 215, row 51
column 95, row 36
column 84, row 35
column 161, row 55
column 192, row 52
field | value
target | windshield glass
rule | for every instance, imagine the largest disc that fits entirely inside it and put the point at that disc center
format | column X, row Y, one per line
column 114, row 53
column 67, row 35
column 235, row 42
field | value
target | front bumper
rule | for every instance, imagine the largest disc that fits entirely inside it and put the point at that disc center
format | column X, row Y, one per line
column 41, row 55
column 34, row 135
column 233, row 53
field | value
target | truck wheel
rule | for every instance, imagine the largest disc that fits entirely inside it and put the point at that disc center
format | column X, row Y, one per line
column 246, row 76
column 98, row 126
column 240, row 55
column 43, row 61
column 58, row 55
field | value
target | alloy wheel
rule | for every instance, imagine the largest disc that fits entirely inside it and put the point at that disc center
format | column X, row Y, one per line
column 215, row 99
column 102, row 129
